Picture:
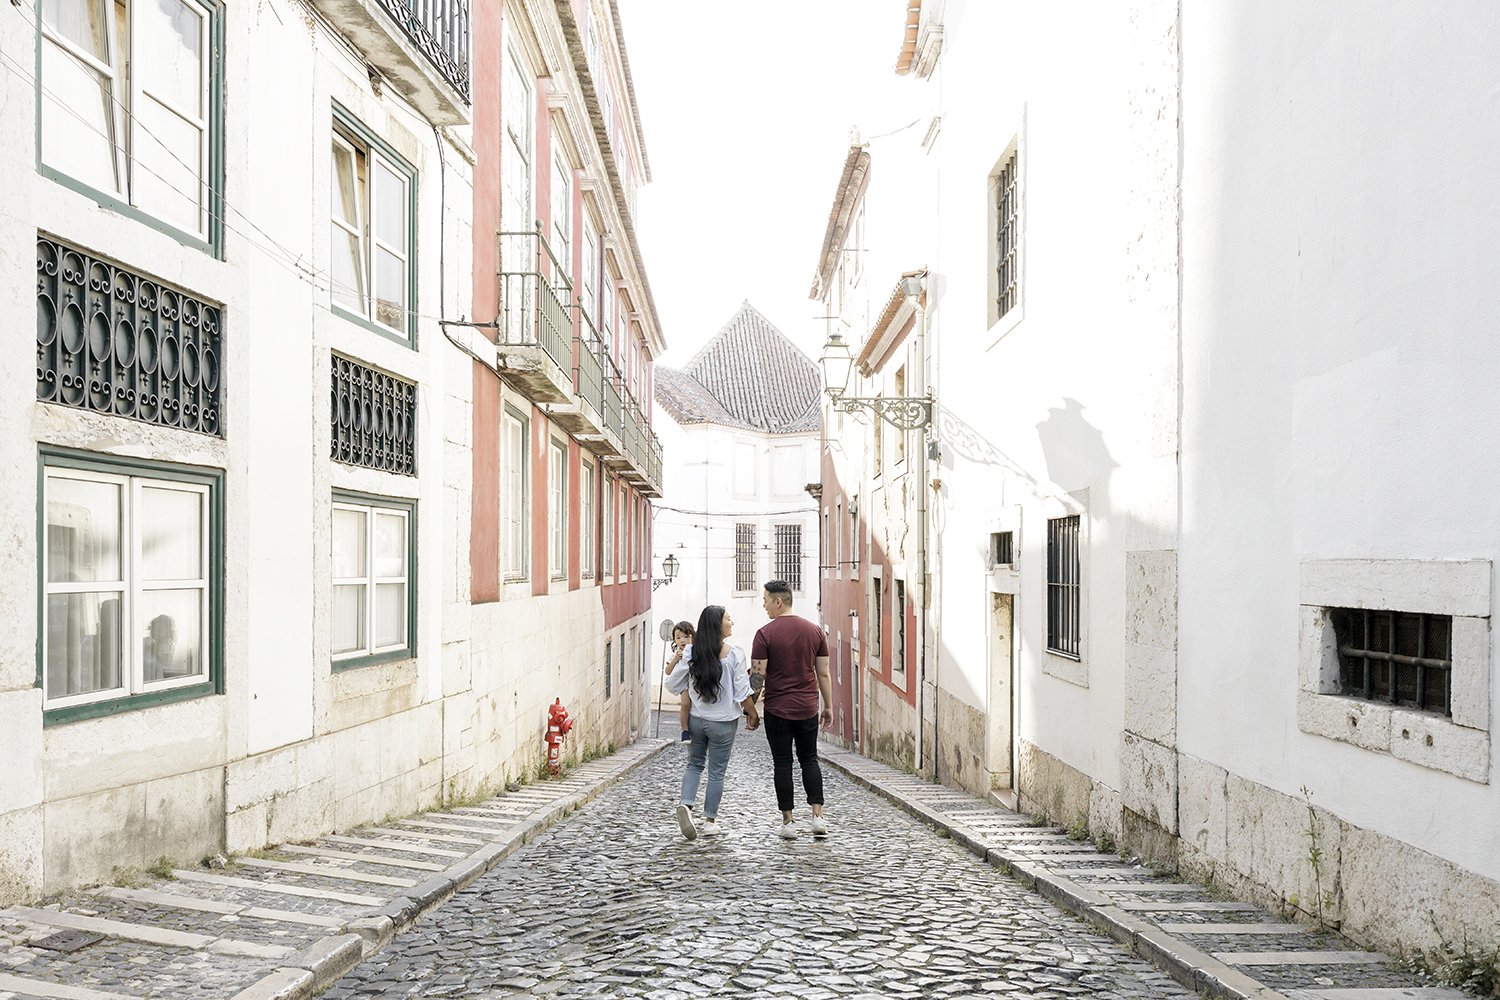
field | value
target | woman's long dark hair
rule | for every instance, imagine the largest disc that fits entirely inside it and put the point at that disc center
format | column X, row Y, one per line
column 704, row 669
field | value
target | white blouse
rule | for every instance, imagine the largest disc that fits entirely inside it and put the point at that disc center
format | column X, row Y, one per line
column 734, row 686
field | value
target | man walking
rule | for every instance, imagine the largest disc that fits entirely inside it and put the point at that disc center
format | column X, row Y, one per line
column 791, row 653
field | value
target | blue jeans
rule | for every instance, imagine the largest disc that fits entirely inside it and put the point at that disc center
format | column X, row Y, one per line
column 713, row 741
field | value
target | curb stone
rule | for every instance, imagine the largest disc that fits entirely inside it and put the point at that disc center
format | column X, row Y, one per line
column 1190, row 966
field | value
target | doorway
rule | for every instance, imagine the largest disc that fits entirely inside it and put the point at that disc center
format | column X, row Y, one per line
column 1000, row 729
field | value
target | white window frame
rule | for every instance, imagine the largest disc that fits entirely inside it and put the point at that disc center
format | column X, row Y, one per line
column 122, row 152
column 562, row 215
column 557, row 504
column 588, row 284
column 132, row 665
column 586, row 487
column 1000, row 324
column 372, row 583
column 515, row 538
column 609, row 528
column 898, row 626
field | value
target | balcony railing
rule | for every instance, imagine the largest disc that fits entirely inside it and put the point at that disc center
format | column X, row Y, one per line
column 534, row 293
column 614, row 401
column 440, row 31
column 588, row 373
column 654, row 460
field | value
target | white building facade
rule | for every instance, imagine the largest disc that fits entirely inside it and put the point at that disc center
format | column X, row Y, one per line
column 241, row 513
column 1182, row 583
column 741, row 422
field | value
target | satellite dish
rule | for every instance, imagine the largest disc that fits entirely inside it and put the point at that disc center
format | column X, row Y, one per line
column 665, row 631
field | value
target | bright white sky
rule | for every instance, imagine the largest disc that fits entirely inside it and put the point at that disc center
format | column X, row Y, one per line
column 746, row 108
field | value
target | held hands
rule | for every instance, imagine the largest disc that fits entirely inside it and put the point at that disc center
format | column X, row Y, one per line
column 752, row 720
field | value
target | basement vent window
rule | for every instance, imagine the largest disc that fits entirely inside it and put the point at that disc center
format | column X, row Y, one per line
column 1395, row 657
column 1002, row 549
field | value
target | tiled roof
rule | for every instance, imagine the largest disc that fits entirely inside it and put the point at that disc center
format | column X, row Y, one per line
column 749, row 375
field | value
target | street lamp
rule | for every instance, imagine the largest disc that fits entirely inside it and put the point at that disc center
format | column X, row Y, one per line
column 905, row 412
column 668, row 571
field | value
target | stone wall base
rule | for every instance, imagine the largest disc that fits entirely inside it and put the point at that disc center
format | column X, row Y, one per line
column 961, row 742
column 889, row 724
column 1255, row 843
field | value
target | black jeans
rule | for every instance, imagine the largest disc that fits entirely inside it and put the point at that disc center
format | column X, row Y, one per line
column 782, row 734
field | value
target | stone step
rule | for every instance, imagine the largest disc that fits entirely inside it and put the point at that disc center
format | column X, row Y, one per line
column 279, row 887
column 1300, row 957
column 392, row 844
column 365, row 857
column 54, row 991
column 1244, row 928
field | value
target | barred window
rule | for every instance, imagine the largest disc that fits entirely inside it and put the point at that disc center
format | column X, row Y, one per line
column 1002, row 548
column 609, row 663
column 744, row 557
column 877, row 616
column 898, row 621
column 1064, row 586
column 1007, row 238
column 1396, row 657
column 789, row 555
column 374, row 419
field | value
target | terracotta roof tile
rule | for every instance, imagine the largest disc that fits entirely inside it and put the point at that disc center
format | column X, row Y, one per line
column 749, row 375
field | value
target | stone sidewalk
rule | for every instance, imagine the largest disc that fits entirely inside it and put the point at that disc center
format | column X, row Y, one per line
column 1210, row 945
column 286, row 923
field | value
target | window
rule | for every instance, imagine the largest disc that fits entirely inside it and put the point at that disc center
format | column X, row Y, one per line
column 1064, row 586
column 746, row 475
column 877, row 615
column 609, row 664
column 744, row 557
column 586, row 519
column 824, row 542
column 609, row 527
column 788, row 474
column 1002, row 549
column 517, row 215
column 588, row 285
column 621, row 647
column 643, row 551
column 135, row 131
column 1395, row 657
column 838, row 540
column 898, row 622
column 372, row 580
column 372, row 235
column 514, row 517
column 130, row 556
column 1007, row 205
column 854, row 538
column 374, row 419
column 900, row 434
column 789, row 555
column 562, row 218
column 607, row 314
column 557, row 508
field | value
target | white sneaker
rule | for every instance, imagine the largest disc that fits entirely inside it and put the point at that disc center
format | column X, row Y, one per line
column 819, row 827
column 710, row 828
column 685, row 822
column 789, row 830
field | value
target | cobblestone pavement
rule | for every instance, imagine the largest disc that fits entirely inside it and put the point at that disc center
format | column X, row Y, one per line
column 614, row 903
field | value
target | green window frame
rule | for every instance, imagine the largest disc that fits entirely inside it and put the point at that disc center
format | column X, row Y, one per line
column 138, row 112
column 357, row 221
column 356, row 572
column 138, row 542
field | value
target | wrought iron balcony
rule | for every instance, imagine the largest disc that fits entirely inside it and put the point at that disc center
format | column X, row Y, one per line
column 654, row 462
column 583, row 415
column 536, row 328
column 614, row 401
column 421, row 47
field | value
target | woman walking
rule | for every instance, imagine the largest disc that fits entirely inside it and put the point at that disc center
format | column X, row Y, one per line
column 717, row 681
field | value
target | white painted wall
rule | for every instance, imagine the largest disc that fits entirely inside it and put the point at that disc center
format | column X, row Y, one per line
column 1338, row 364
column 733, row 473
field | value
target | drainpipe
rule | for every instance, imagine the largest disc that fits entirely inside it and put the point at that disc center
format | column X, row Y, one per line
column 917, row 290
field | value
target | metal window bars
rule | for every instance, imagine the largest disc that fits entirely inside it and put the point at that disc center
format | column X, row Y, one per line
column 789, row 554
column 1064, row 587
column 744, row 557
column 588, row 371
column 1007, row 237
column 374, row 419
column 1397, row 657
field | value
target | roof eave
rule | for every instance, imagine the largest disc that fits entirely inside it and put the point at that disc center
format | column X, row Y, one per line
column 851, row 188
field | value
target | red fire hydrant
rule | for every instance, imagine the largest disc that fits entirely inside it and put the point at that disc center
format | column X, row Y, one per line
column 558, row 725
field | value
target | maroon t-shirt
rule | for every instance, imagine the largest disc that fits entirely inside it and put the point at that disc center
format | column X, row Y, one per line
column 790, row 646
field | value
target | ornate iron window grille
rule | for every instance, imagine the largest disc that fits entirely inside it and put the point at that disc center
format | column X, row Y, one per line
column 113, row 341
column 1007, row 237
column 440, row 29
column 374, row 419
column 1396, row 657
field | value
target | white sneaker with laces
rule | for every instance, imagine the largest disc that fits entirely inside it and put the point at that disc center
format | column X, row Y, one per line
column 819, row 827
column 789, row 830
column 685, row 822
column 710, row 828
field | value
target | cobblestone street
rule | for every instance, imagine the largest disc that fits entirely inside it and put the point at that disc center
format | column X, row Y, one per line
column 614, row 903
